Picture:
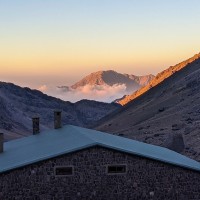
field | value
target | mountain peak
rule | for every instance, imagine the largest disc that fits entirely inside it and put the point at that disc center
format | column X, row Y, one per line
column 111, row 77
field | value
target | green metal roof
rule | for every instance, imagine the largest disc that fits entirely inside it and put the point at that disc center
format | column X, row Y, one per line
column 28, row 150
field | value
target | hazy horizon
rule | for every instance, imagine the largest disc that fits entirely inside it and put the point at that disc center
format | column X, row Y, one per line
column 57, row 43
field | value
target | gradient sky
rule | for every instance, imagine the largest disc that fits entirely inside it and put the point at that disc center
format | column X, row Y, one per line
column 60, row 41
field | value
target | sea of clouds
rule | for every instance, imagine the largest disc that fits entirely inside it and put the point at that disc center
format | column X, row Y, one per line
column 103, row 93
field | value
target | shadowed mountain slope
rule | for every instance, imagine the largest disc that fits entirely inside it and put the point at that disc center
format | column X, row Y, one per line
column 171, row 106
column 18, row 106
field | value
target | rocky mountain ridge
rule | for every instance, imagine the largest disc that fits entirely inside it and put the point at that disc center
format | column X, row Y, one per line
column 157, row 79
column 164, row 112
column 18, row 105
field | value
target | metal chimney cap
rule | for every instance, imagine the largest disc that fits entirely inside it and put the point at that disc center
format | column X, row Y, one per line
column 35, row 118
column 57, row 111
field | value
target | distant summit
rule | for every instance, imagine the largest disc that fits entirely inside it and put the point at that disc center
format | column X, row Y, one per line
column 104, row 86
column 111, row 78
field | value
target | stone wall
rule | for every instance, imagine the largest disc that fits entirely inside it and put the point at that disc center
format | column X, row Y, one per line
column 145, row 179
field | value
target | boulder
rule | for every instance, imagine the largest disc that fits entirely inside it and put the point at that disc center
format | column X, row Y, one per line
column 175, row 142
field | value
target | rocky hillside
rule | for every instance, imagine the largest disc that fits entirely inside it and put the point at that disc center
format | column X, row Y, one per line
column 153, row 81
column 111, row 78
column 141, row 80
column 18, row 106
column 166, row 112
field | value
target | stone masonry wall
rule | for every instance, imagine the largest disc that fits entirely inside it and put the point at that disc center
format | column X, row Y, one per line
column 145, row 179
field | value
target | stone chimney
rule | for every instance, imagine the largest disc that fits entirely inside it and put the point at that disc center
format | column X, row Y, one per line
column 57, row 119
column 1, row 142
column 36, row 125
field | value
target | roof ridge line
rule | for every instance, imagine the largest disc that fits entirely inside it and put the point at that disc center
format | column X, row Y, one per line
column 84, row 135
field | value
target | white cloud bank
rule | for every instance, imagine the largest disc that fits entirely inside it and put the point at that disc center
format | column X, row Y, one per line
column 103, row 93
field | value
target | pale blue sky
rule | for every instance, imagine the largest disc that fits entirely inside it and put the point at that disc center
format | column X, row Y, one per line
column 67, row 39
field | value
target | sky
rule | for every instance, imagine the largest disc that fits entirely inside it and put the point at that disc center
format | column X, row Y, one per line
column 58, row 42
